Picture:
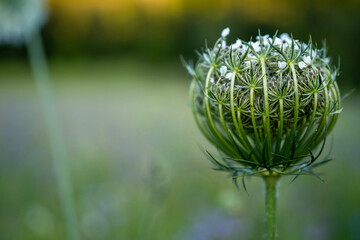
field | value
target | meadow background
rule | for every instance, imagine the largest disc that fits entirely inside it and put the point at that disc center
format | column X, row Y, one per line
column 136, row 167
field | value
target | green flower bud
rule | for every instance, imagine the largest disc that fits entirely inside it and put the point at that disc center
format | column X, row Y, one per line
column 265, row 105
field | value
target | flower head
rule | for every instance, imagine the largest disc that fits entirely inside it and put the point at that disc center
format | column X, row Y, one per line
column 19, row 19
column 276, row 106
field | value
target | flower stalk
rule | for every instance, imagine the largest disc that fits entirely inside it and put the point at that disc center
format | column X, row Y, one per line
column 20, row 23
column 57, row 145
column 271, row 183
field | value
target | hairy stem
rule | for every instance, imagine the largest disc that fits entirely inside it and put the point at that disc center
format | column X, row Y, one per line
column 271, row 183
column 58, row 151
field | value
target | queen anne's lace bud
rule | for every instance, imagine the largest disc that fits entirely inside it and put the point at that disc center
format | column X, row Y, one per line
column 265, row 105
column 19, row 19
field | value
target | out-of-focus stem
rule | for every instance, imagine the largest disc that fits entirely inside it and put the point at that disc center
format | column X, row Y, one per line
column 58, row 150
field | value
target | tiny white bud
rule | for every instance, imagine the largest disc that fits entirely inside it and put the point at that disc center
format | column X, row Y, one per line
column 223, row 70
column 256, row 46
column 237, row 44
column 302, row 65
column 281, row 65
column 285, row 37
column 229, row 75
column 225, row 32
column 307, row 60
column 277, row 41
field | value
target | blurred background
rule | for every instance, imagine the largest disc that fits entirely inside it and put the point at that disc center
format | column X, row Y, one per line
column 136, row 167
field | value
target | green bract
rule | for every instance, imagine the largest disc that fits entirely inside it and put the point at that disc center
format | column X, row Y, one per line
column 265, row 105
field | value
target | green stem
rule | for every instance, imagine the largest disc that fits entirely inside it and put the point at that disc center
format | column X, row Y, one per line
column 280, row 126
column 253, row 120
column 271, row 183
column 58, row 151
column 287, row 147
column 267, row 130
column 210, row 120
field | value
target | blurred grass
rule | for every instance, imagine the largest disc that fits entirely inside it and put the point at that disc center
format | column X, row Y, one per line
column 136, row 167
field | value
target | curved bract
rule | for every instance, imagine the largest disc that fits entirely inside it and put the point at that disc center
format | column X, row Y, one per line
column 266, row 105
column 19, row 19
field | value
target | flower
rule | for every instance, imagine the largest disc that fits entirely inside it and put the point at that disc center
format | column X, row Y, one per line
column 285, row 38
column 256, row 46
column 237, row 44
column 301, row 65
column 20, row 19
column 223, row 70
column 307, row 59
column 263, row 38
column 229, row 75
column 287, row 41
column 269, row 117
column 225, row 32
column 277, row 41
column 306, row 62
column 281, row 65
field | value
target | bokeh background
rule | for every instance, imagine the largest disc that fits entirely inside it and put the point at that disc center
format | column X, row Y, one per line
column 136, row 167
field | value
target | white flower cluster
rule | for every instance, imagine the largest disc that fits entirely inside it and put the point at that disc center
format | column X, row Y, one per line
column 19, row 19
column 284, row 43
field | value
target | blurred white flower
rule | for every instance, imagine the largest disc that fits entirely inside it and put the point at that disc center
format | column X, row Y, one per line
column 229, row 75
column 282, row 65
column 262, row 37
column 285, row 38
column 225, row 32
column 256, row 46
column 302, row 65
column 307, row 59
column 267, row 41
column 277, row 41
column 237, row 44
column 19, row 19
column 223, row 70
column 327, row 60
column 313, row 53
